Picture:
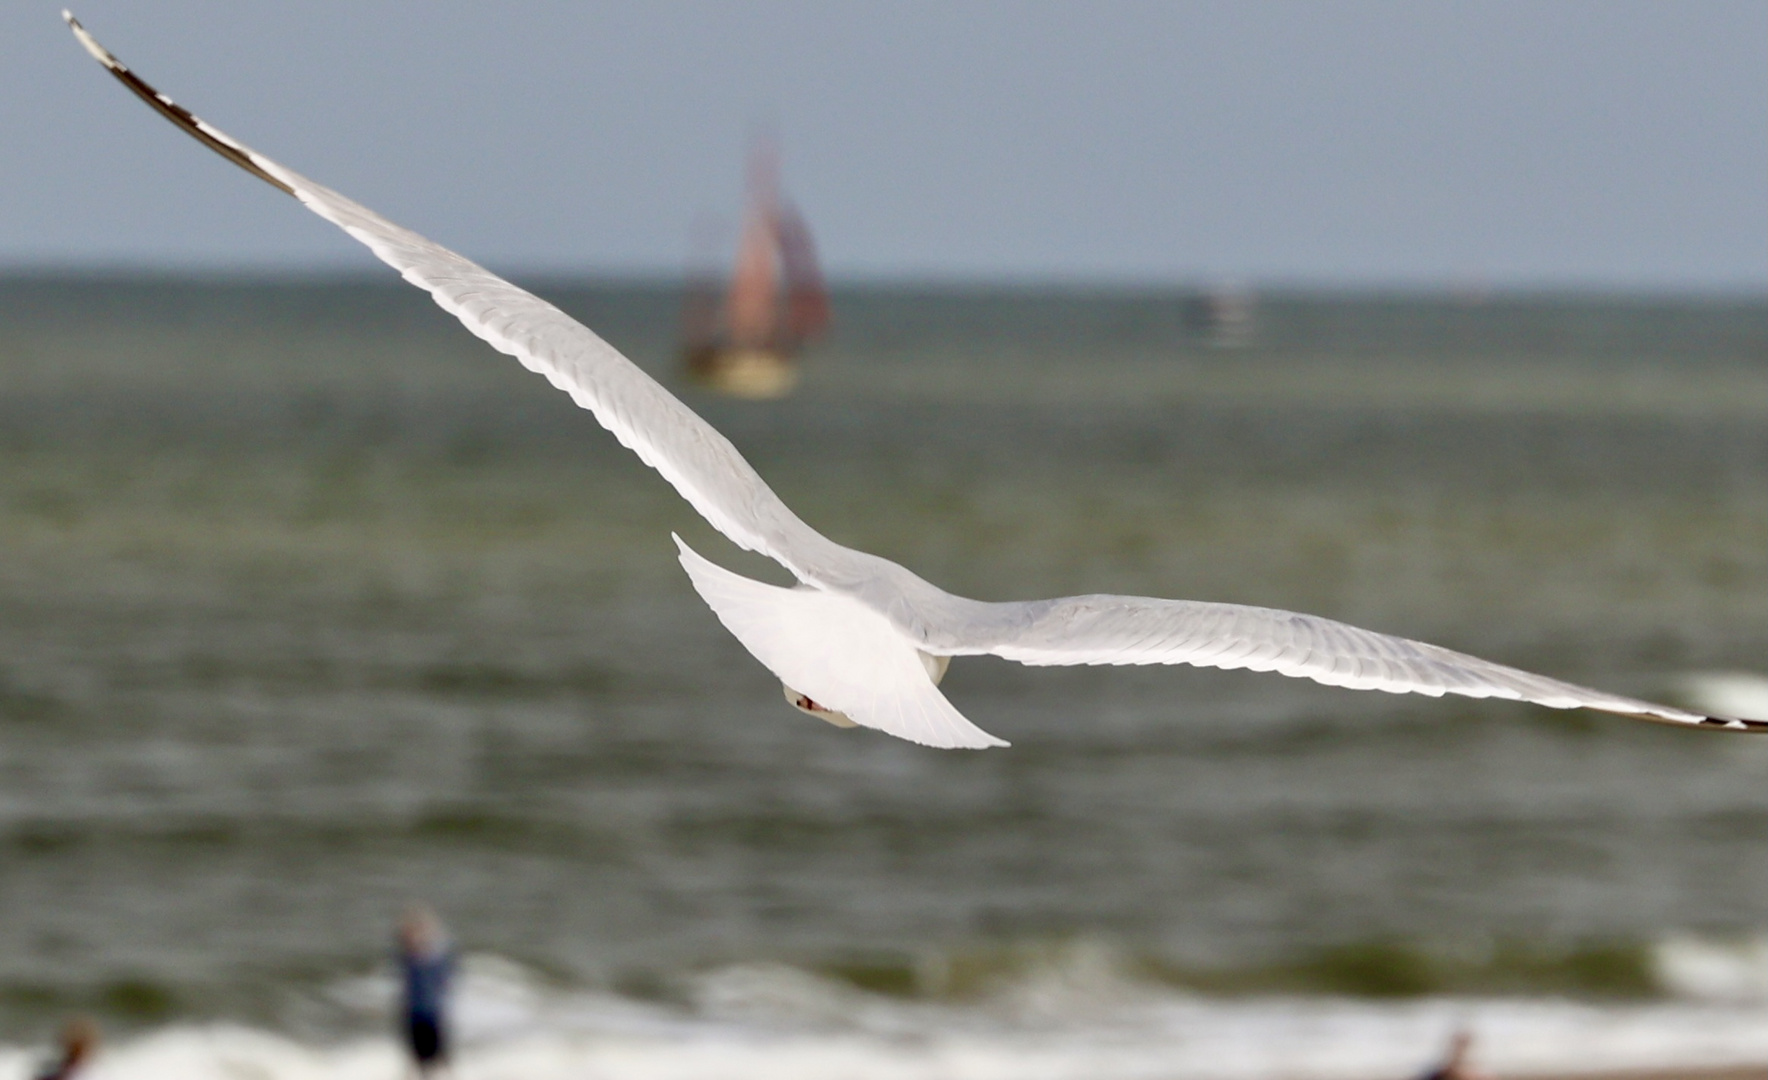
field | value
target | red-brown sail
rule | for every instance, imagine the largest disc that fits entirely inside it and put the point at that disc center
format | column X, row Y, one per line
column 775, row 303
column 807, row 301
column 752, row 306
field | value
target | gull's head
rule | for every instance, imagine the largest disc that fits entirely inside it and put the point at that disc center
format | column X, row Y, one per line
column 803, row 703
column 807, row 705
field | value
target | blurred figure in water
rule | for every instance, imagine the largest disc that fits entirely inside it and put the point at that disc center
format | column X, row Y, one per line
column 78, row 1040
column 426, row 962
column 1454, row 1065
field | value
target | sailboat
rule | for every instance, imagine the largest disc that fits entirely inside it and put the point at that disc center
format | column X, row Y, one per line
column 744, row 339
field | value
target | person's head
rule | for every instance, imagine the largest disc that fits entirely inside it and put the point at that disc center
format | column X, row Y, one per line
column 420, row 931
column 1459, row 1044
column 79, row 1037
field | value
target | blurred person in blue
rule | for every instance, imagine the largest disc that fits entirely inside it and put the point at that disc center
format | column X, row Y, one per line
column 78, row 1040
column 426, row 964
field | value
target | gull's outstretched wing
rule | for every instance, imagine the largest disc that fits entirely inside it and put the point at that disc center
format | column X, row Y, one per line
column 702, row 464
column 1140, row 630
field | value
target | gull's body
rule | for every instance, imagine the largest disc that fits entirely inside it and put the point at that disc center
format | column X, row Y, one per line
column 862, row 640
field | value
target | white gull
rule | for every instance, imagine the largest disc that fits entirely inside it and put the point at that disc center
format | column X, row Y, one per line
column 861, row 640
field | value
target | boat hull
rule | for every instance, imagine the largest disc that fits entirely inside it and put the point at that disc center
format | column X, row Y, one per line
column 753, row 373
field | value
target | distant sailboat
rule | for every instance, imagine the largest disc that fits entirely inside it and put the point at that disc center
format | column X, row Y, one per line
column 1222, row 316
column 745, row 343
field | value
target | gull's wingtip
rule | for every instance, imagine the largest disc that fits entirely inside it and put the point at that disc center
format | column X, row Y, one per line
column 1661, row 714
column 1735, row 723
column 99, row 52
column 246, row 158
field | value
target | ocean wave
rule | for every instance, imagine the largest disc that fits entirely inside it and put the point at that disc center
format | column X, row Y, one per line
column 1028, row 987
column 1056, row 1011
column 1714, row 970
column 1156, row 1036
column 1080, row 983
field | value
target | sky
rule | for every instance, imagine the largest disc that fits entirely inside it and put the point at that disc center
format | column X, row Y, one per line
column 1605, row 144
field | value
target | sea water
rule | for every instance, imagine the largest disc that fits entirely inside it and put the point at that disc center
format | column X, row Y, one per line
column 312, row 606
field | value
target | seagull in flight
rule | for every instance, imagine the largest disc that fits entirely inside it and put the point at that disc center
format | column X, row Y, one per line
column 861, row 641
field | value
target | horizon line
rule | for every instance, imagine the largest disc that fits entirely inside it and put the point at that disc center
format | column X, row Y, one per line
column 1465, row 289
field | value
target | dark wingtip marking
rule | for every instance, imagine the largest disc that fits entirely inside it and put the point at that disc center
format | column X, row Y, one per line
column 170, row 109
column 1732, row 723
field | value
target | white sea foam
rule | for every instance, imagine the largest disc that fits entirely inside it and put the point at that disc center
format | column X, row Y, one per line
column 1714, row 970
column 785, row 1024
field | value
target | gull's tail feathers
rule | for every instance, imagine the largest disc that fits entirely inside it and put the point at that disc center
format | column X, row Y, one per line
column 838, row 652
